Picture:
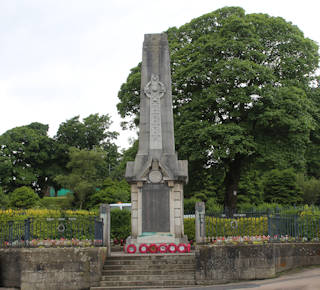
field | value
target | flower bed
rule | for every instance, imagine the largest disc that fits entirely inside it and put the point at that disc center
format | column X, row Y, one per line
column 259, row 239
column 37, row 243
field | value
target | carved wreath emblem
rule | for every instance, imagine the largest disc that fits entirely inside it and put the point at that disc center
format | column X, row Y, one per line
column 154, row 88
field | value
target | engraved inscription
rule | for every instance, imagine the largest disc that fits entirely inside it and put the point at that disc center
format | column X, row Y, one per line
column 155, row 208
column 155, row 90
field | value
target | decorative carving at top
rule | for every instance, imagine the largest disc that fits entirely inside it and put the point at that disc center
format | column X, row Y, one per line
column 154, row 89
column 155, row 176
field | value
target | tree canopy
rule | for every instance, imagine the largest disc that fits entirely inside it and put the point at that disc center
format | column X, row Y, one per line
column 240, row 85
column 26, row 155
column 29, row 157
column 92, row 132
column 87, row 172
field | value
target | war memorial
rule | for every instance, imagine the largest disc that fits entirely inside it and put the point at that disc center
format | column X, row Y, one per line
column 155, row 254
column 156, row 176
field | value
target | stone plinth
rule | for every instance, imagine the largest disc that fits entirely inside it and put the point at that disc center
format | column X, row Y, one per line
column 169, row 228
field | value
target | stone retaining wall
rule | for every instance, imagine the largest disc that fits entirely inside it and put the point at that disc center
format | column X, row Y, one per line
column 221, row 264
column 80, row 268
column 51, row 268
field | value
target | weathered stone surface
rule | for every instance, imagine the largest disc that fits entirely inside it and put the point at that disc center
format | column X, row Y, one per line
column 156, row 134
column 221, row 264
column 51, row 268
column 80, row 268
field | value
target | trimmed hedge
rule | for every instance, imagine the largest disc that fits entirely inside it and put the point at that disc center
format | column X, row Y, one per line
column 246, row 226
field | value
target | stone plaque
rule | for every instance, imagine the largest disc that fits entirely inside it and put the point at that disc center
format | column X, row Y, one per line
column 155, row 208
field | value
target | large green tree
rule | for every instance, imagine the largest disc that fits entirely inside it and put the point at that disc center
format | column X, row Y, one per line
column 88, row 169
column 313, row 156
column 93, row 132
column 239, row 84
column 27, row 157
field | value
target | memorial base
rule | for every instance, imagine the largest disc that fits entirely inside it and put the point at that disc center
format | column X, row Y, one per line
column 156, row 243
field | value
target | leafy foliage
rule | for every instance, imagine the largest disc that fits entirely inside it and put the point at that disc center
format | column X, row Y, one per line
column 4, row 199
column 240, row 84
column 26, row 157
column 87, row 173
column 247, row 226
column 23, row 197
column 281, row 187
column 310, row 188
column 120, row 224
column 90, row 133
column 112, row 191
column 57, row 202
column 313, row 149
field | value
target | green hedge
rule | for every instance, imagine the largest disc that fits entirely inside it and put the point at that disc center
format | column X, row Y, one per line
column 189, row 228
column 120, row 224
column 246, row 226
column 63, row 202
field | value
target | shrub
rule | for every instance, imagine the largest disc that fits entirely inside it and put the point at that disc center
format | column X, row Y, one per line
column 247, row 226
column 23, row 197
column 120, row 224
column 21, row 214
column 281, row 186
column 57, row 202
column 189, row 205
column 310, row 189
column 189, row 228
column 213, row 207
column 4, row 199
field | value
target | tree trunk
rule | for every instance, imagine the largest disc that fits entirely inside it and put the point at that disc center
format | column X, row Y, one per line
column 231, row 186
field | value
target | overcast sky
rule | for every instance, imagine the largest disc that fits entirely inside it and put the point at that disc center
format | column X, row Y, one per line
column 62, row 58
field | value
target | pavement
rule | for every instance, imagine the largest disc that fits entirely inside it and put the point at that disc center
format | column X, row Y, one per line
column 305, row 279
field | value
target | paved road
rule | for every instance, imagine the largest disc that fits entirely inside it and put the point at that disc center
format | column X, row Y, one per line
column 307, row 279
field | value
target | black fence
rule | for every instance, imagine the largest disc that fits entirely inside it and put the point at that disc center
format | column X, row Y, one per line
column 261, row 227
column 52, row 232
column 294, row 227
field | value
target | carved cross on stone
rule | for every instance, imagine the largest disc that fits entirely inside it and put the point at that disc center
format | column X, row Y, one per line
column 155, row 90
column 156, row 130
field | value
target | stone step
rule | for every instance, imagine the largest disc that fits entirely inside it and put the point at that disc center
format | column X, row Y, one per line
column 148, row 267
column 159, row 283
column 149, row 271
column 167, row 276
column 138, row 287
column 158, row 271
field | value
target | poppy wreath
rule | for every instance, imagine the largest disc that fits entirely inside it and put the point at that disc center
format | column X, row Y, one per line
column 163, row 248
column 182, row 248
column 131, row 249
column 153, row 248
column 172, row 248
column 143, row 248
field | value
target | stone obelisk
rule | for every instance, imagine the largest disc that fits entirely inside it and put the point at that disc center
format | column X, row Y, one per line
column 156, row 176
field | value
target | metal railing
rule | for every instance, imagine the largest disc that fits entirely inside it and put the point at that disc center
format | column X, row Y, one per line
column 61, row 231
column 258, row 227
column 239, row 225
column 267, row 227
column 294, row 227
